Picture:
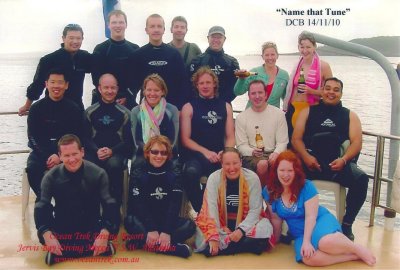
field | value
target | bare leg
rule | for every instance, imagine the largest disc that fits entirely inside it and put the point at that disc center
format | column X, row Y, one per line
column 337, row 244
column 262, row 172
column 321, row 258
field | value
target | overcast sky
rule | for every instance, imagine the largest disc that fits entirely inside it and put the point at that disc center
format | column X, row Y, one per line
column 36, row 25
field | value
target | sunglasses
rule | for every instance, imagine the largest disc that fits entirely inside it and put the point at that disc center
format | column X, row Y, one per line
column 157, row 152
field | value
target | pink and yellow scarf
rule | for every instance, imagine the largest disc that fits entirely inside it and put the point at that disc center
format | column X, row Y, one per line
column 151, row 118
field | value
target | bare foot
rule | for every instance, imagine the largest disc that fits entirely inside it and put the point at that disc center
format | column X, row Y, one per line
column 365, row 254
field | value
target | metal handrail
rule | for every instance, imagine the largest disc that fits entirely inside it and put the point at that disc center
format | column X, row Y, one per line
column 377, row 176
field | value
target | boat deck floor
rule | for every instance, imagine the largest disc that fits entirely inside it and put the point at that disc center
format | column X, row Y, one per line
column 16, row 232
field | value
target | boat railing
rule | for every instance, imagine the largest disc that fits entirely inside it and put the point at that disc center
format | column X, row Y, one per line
column 377, row 174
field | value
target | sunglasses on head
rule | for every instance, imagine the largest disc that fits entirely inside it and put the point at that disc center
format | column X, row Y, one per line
column 157, row 152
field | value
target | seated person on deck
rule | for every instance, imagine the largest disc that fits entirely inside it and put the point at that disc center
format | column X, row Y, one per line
column 318, row 237
column 318, row 135
column 206, row 128
column 232, row 218
column 108, row 139
column 155, row 198
column 75, row 226
column 49, row 119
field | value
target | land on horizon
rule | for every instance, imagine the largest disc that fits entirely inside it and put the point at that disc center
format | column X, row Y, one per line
column 389, row 46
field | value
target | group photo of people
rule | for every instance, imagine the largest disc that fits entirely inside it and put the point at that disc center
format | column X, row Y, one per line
column 161, row 132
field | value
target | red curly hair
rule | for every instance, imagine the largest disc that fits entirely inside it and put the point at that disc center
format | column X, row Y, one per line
column 275, row 188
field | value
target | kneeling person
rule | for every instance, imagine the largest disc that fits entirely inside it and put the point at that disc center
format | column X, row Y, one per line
column 155, row 199
column 75, row 226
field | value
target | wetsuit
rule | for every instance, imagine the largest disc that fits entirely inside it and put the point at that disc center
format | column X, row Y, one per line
column 112, row 57
column 76, row 65
column 76, row 212
column 166, row 62
column 155, row 198
column 208, row 130
column 48, row 121
column 108, row 125
column 326, row 129
column 223, row 66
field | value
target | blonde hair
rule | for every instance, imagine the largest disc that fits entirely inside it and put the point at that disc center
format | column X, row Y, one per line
column 200, row 72
column 269, row 44
column 158, row 80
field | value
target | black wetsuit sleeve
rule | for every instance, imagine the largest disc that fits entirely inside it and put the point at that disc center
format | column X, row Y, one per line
column 124, row 147
column 36, row 139
column 35, row 89
column 174, row 207
column 137, row 204
column 98, row 64
column 43, row 212
column 110, row 217
column 231, row 81
column 137, row 133
column 88, row 134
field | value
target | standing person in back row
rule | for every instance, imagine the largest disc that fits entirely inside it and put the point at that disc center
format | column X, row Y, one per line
column 160, row 58
column 69, row 57
column 188, row 50
column 222, row 64
column 111, row 56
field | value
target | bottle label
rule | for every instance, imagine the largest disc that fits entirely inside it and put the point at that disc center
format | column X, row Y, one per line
column 260, row 144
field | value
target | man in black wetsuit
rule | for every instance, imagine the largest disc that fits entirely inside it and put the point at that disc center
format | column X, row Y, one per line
column 160, row 58
column 49, row 119
column 111, row 56
column 318, row 135
column 221, row 63
column 69, row 57
column 108, row 137
column 75, row 226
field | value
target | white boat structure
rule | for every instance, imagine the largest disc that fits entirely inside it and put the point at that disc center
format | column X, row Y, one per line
column 20, row 248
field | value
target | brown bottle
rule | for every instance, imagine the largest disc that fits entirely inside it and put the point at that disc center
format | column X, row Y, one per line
column 259, row 140
column 301, row 81
column 244, row 74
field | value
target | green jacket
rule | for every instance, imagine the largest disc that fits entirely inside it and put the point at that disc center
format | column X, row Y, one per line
column 278, row 91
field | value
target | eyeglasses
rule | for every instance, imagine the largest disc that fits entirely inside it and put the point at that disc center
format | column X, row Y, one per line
column 158, row 152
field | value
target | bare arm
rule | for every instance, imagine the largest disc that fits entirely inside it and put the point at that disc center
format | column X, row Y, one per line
column 229, row 127
column 276, row 223
column 311, row 207
column 298, row 143
column 326, row 71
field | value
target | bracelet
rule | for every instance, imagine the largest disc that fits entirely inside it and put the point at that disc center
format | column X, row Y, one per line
column 345, row 162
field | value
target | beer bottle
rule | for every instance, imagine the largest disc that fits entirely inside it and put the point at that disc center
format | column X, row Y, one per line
column 244, row 74
column 259, row 140
column 301, row 81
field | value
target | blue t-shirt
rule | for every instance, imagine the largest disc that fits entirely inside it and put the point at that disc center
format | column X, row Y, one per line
column 295, row 215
